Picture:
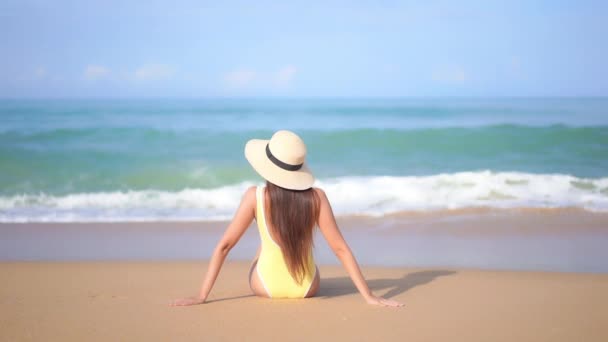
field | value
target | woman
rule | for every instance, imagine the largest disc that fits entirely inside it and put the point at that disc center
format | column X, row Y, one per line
column 286, row 211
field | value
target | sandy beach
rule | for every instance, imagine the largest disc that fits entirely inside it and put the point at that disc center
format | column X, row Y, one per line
column 128, row 301
column 473, row 275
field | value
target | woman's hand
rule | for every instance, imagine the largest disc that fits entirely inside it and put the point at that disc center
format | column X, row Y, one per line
column 187, row 301
column 375, row 300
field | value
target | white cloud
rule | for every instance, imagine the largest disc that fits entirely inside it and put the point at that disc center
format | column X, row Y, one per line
column 453, row 74
column 154, row 72
column 284, row 76
column 40, row 73
column 516, row 63
column 240, row 78
column 96, row 72
column 515, row 68
column 253, row 79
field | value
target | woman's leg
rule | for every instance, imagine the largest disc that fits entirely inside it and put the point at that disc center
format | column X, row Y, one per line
column 314, row 287
column 255, row 283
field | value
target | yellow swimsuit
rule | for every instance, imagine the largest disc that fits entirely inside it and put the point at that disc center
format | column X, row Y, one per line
column 271, row 267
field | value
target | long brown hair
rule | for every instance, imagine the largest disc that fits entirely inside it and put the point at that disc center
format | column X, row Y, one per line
column 293, row 215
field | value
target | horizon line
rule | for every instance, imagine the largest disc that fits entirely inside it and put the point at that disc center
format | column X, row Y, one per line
column 271, row 97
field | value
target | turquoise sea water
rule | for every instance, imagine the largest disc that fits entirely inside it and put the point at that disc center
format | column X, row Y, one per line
column 114, row 160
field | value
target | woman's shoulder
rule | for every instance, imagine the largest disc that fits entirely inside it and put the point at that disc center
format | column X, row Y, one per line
column 321, row 193
column 250, row 191
column 249, row 196
column 318, row 190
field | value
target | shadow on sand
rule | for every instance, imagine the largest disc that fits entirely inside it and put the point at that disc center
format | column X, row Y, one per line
column 340, row 286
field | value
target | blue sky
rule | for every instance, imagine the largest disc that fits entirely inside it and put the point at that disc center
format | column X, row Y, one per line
column 302, row 49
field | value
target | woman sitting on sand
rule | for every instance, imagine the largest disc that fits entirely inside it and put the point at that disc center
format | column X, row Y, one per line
column 286, row 210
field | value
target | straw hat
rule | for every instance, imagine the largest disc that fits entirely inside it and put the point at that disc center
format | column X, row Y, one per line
column 281, row 160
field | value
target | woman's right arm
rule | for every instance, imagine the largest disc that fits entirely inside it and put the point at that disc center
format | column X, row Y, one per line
column 331, row 232
column 241, row 221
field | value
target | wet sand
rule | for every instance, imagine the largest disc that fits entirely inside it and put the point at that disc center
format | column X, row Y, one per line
column 128, row 301
column 566, row 240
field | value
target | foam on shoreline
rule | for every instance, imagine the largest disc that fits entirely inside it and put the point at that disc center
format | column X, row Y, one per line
column 374, row 196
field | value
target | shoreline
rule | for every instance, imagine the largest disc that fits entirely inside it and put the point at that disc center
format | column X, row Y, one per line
column 430, row 213
column 98, row 301
column 567, row 241
column 464, row 213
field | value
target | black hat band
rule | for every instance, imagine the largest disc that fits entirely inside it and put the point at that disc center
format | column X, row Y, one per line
column 282, row 165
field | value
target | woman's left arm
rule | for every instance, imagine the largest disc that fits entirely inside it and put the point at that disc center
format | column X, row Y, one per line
column 241, row 221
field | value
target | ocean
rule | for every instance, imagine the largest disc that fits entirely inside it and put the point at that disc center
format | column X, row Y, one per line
column 182, row 159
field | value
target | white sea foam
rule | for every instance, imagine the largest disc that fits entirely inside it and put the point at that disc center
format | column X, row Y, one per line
column 369, row 195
